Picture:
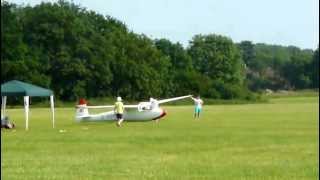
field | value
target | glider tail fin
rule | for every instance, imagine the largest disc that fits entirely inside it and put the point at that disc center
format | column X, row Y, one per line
column 81, row 110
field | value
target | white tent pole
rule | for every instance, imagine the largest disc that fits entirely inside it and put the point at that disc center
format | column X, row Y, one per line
column 26, row 110
column 3, row 108
column 52, row 109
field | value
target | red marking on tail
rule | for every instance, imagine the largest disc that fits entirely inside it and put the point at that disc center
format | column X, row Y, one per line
column 82, row 101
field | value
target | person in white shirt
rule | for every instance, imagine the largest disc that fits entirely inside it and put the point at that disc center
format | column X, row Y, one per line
column 198, row 106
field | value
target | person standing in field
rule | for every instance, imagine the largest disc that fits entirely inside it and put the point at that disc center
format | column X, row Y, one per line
column 198, row 106
column 118, row 110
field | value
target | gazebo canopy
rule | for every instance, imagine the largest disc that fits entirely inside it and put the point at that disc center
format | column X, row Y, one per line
column 18, row 88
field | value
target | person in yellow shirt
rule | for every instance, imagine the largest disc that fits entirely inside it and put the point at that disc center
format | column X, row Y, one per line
column 118, row 110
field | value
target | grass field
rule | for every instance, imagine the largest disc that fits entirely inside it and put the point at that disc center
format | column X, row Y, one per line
column 276, row 140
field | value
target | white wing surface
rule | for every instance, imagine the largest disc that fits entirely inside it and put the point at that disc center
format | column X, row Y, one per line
column 107, row 106
column 173, row 99
column 134, row 106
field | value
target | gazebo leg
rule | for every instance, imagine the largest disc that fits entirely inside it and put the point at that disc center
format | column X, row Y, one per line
column 26, row 110
column 52, row 109
column 3, row 107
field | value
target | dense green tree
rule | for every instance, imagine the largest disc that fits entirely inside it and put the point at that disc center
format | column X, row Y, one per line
column 248, row 54
column 140, row 69
column 181, row 68
column 219, row 59
column 12, row 49
column 296, row 70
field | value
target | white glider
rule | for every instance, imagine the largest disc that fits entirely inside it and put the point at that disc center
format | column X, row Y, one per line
column 144, row 111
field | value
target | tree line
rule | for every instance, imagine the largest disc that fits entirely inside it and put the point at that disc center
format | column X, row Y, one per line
column 278, row 67
column 80, row 53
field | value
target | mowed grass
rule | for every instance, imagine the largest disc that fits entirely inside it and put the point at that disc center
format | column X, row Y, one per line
column 278, row 140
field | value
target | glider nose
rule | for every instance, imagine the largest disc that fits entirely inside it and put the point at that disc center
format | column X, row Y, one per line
column 163, row 113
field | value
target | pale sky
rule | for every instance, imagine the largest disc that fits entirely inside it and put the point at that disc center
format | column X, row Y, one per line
column 282, row 22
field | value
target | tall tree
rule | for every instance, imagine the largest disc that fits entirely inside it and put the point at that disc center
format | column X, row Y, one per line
column 248, row 53
column 219, row 59
column 178, row 82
